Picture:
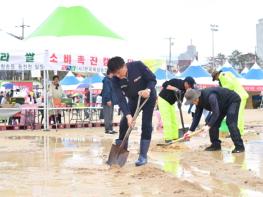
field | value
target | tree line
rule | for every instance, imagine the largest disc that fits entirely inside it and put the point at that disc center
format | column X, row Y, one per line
column 237, row 59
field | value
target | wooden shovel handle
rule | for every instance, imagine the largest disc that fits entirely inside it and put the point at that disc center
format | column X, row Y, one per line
column 191, row 135
column 136, row 114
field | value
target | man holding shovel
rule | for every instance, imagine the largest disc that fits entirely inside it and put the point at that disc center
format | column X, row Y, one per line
column 172, row 91
column 221, row 102
column 132, row 80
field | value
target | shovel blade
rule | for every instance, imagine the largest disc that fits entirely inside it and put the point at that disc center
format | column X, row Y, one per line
column 182, row 131
column 118, row 156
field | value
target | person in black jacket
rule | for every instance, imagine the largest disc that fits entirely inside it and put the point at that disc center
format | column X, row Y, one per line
column 108, row 101
column 221, row 102
column 131, row 80
column 171, row 91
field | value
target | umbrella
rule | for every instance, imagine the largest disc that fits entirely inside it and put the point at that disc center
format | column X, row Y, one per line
column 8, row 86
column 76, row 94
column 83, row 85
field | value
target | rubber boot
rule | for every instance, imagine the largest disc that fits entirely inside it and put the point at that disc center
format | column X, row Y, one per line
column 118, row 142
column 144, row 147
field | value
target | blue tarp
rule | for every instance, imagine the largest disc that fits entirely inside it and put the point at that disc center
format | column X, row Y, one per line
column 255, row 73
column 161, row 74
column 232, row 70
column 195, row 72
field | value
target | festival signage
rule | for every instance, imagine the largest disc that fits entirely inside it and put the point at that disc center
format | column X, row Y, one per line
column 21, row 61
column 53, row 61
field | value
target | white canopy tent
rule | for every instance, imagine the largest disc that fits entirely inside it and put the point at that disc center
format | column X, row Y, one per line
column 244, row 71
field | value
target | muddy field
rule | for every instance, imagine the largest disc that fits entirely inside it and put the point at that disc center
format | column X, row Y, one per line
column 72, row 163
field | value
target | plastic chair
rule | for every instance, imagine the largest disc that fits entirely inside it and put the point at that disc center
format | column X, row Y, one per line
column 76, row 114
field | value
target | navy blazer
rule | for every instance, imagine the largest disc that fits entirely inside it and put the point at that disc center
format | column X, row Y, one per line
column 139, row 78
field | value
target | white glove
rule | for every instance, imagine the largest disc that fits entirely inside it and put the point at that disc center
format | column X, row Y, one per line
column 187, row 136
column 206, row 128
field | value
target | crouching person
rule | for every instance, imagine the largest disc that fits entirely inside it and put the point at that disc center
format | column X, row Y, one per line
column 131, row 80
column 221, row 102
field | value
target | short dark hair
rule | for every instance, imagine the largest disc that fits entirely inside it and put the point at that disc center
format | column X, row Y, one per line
column 115, row 63
column 190, row 81
column 108, row 72
column 55, row 76
column 215, row 74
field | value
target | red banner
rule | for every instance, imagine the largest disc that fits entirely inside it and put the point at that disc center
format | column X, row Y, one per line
column 249, row 88
column 24, row 85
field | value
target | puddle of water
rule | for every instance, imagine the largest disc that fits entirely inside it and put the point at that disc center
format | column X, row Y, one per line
column 251, row 160
column 49, row 165
column 247, row 192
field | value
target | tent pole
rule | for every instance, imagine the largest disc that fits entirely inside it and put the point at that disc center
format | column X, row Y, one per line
column 46, row 122
column 45, row 99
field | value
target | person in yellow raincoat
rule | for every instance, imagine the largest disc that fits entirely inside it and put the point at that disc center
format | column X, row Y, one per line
column 167, row 98
column 229, row 81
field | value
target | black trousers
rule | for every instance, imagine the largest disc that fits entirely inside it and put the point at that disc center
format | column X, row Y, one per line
column 55, row 119
column 231, row 114
column 108, row 117
column 147, row 114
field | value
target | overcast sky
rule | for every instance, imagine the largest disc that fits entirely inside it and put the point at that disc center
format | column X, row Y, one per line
column 149, row 22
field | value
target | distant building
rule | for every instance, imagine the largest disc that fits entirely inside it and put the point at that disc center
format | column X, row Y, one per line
column 185, row 59
column 260, row 38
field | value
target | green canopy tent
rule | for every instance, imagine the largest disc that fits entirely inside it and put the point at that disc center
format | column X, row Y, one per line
column 76, row 32
column 74, row 39
column 73, row 21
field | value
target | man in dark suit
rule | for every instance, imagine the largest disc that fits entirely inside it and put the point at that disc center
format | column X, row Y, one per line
column 131, row 80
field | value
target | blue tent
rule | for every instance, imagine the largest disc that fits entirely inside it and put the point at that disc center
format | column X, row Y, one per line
column 161, row 74
column 69, row 79
column 229, row 68
column 255, row 73
column 195, row 71
column 93, row 79
column 244, row 72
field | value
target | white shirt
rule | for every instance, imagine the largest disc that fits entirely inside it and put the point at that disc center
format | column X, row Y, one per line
column 55, row 93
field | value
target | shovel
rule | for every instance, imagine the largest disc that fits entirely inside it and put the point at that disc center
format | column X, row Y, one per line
column 179, row 104
column 181, row 139
column 118, row 153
